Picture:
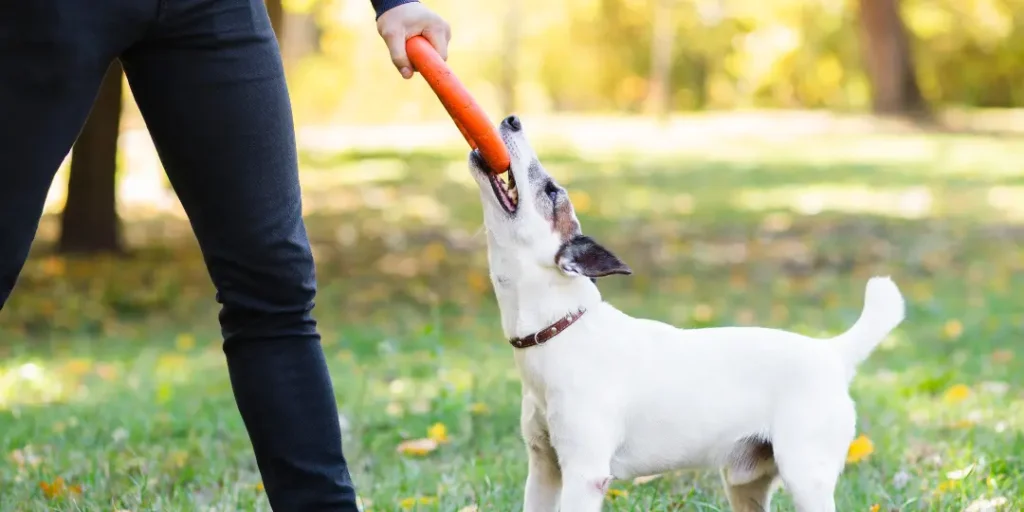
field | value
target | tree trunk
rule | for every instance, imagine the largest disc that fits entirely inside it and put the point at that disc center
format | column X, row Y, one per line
column 659, row 85
column 510, row 57
column 89, row 223
column 889, row 63
column 276, row 11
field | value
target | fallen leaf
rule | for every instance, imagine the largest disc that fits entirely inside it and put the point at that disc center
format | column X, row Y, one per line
column 617, row 493
column 953, row 329
column 1002, row 356
column 421, row 500
column 860, row 449
column 438, row 432
column 640, row 480
column 580, row 201
column 960, row 474
column 702, row 313
column 25, row 456
column 418, row 447
column 956, row 393
column 394, row 409
column 185, row 342
column 986, row 505
column 478, row 282
column 58, row 488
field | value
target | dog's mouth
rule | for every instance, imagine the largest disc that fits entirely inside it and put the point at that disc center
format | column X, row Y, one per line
column 505, row 191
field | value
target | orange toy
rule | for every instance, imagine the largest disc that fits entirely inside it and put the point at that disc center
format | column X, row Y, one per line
column 468, row 116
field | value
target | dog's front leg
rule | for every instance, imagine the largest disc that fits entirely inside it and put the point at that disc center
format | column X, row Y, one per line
column 584, row 486
column 585, row 460
column 544, row 481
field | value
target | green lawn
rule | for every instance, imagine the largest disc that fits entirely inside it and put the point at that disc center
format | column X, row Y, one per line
column 112, row 378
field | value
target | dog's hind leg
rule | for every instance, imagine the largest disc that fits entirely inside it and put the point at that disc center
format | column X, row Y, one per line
column 810, row 444
column 753, row 496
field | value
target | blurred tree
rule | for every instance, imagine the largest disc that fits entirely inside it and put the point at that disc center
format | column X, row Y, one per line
column 89, row 223
column 510, row 55
column 888, row 59
column 662, row 41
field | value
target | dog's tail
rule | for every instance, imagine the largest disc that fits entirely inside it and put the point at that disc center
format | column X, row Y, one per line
column 884, row 309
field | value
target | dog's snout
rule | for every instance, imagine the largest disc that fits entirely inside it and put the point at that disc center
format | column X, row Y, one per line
column 513, row 123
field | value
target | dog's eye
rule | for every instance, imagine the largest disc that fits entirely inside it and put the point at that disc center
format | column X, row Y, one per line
column 552, row 191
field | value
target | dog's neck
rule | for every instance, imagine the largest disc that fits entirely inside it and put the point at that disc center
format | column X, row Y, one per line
column 532, row 298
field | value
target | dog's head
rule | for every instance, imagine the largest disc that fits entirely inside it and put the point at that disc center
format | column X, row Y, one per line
column 530, row 220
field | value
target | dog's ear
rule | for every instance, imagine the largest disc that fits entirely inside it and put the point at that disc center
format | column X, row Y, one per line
column 582, row 256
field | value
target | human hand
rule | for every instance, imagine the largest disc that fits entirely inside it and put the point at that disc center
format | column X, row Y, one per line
column 400, row 23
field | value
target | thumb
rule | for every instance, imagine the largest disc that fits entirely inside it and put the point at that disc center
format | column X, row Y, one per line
column 395, row 39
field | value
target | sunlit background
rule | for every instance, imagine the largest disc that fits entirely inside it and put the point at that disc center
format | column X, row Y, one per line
column 753, row 162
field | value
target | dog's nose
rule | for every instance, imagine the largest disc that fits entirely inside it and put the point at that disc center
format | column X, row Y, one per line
column 513, row 123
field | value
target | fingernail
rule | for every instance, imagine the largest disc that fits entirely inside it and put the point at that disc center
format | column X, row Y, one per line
column 406, row 72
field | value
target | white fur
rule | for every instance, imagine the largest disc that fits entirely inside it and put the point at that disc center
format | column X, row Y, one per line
column 615, row 396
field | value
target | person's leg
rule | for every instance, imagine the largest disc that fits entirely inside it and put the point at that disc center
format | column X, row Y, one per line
column 53, row 55
column 210, row 85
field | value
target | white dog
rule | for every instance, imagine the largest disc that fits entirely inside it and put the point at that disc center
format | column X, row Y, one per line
column 606, row 395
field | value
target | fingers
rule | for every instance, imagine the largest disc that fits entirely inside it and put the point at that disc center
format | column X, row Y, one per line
column 395, row 40
column 438, row 39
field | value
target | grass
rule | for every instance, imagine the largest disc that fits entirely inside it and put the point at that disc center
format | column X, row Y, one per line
column 112, row 382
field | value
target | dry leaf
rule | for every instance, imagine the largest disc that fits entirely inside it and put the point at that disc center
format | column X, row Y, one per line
column 58, row 488
column 640, row 480
column 986, row 505
column 956, row 393
column 412, row 502
column 860, row 449
column 960, row 474
column 418, row 447
column 953, row 329
column 438, row 432
column 185, row 342
column 1002, row 356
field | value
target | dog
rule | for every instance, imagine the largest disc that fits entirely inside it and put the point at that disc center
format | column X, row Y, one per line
column 608, row 396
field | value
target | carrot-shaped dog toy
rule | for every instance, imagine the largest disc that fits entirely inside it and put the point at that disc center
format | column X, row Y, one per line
column 471, row 120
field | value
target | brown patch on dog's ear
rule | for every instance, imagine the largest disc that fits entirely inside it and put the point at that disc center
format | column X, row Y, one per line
column 565, row 221
column 582, row 256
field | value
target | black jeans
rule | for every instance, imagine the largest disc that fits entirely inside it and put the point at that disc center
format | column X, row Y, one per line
column 208, row 79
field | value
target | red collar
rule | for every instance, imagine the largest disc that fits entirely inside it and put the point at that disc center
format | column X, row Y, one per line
column 542, row 336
